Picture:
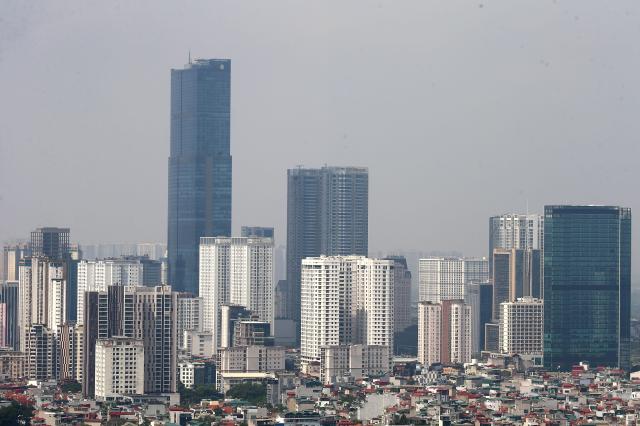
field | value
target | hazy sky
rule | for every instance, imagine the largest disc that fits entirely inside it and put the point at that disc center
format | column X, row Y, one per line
column 460, row 110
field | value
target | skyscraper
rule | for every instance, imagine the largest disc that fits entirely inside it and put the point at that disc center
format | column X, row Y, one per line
column 515, row 231
column 587, row 285
column 199, row 165
column 327, row 214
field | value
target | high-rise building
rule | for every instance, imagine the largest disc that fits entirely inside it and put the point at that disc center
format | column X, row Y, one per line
column 515, row 231
column 280, row 300
column 3, row 324
column 41, row 353
column 70, row 338
column 521, row 328
column 41, row 295
column 445, row 278
column 479, row 296
column 587, row 286
column 155, row 317
column 9, row 296
column 229, row 314
column 444, row 332
column 189, row 315
column 237, row 271
column 516, row 274
column 492, row 337
column 50, row 242
column 199, row 165
column 145, row 313
column 327, row 214
column 120, row 368
column 98, row 275
column 247, row 348
column 401, row 293
column 346, row 300
column 257, row 232
column 12, row 255
column 91, row 333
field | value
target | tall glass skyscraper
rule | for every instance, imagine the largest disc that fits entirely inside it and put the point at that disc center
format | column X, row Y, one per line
column 327, row 214
column 199, row 165
column 587, row 286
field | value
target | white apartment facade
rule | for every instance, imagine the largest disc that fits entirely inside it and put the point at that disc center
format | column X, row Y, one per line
column 189, row 316
column 445, row 278
column 460, row 333
column 41, row 293
column 429, row 332
column 345, row 300
column 97, row 275
column 119, row 368
column 517, row 231
column 237, row 271
column 522, row 327
column 198, row 343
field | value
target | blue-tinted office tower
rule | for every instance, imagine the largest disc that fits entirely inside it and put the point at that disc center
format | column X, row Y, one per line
column 587, row 286
column 199, row 165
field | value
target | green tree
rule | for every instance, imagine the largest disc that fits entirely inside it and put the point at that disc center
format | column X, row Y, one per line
column 197, row 394
column 71, row 386
column 255, row 393
column 16, row 414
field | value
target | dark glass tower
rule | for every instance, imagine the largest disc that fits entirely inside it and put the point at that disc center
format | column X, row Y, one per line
column 327, row 214
column 587, row 286
column 199, row 165
column 50, row 242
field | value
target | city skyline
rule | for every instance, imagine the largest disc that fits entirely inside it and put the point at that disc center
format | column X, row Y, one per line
column 304, row 239
column 281, row 119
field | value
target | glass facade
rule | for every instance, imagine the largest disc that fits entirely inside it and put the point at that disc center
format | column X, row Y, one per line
column 587, row 286
column 199, row 165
